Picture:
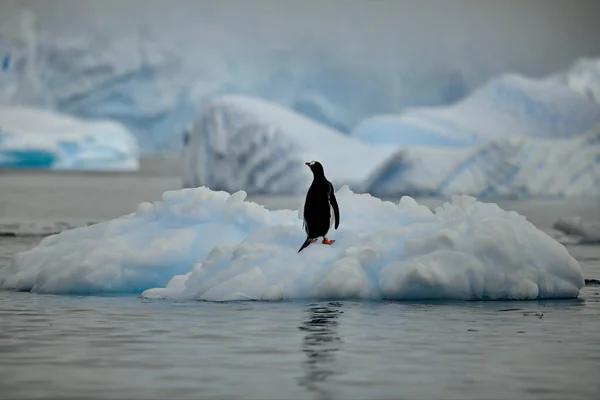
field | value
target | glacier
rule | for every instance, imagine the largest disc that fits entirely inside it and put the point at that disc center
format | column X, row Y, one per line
column 34, row 138
column 212, row 245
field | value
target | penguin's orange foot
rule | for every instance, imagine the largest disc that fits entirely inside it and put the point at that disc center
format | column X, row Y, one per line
column 313, row 240
column 327, row 241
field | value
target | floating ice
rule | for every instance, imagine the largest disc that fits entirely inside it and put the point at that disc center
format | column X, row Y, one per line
column 242, row 143
column 153, row 82
column 513, row 137
column 201, row 244
column 36, row 138
column 511, row 167
column 151, row 78
column 509, row 105
column 587, row 231
column 320, row 110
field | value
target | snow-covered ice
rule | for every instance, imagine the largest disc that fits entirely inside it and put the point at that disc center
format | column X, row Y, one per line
column 243, row 143
column 38, row 138
column 203, row 244
column 586, row 231
column 509, row 105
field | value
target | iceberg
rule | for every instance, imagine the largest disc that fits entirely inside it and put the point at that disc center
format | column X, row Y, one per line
column 320, row 110
column 37, row 138
column 151, row 78
column 147, row 73
column 513, row 137
column 243, row 143
column 509, row 105
column 510, row 167
column 210, row 245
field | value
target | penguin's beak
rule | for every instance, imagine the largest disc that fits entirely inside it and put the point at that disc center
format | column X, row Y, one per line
column 307, row 164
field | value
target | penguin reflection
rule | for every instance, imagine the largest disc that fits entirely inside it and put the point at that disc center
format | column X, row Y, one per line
column 320, row 344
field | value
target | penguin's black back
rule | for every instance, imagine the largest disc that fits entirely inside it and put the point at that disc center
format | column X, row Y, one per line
column 317, row 208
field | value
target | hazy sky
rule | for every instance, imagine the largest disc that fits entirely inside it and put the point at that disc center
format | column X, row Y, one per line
column 528, row 36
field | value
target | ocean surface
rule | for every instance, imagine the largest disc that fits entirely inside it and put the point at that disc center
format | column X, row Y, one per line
column 124, row 347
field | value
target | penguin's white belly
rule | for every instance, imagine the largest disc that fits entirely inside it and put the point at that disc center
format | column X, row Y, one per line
column 331, row 217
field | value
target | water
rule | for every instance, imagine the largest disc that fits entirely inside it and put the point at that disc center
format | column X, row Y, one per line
column 95, row 347
column 126, row 347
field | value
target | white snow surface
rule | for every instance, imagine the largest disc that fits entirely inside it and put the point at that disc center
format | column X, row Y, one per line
column 244, row 143
column 38, row 138
column 203, row 244
column 510, row 105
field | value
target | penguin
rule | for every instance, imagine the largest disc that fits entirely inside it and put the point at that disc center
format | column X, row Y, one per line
column 321, row 210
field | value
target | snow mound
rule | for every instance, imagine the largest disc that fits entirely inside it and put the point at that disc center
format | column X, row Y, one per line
column 587, row 231
column 514, row 167
column 201, row 244
column 139, row 250
column 36, row 138
column 508, row 105
column 243, row 143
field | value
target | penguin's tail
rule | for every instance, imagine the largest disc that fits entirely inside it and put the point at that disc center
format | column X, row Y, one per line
column 305, row 244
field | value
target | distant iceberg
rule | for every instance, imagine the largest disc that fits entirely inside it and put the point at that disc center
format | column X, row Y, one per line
column 202, row 244
column 153, row 83
column 241, row 143
column 42, row 139
column 509, row 105
column 510, row 167
column 513, row 137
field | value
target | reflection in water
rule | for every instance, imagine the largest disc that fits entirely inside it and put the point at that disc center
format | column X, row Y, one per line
column 320, row 344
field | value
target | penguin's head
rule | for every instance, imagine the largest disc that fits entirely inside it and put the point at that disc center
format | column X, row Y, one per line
column 315, row 167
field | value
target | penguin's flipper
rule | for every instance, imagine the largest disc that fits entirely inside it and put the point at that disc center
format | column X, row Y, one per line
column 334, row 204
column 305, row 244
